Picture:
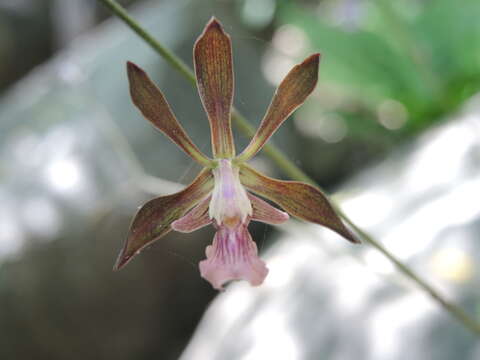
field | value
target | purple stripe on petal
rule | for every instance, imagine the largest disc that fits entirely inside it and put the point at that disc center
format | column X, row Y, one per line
column 232, row 256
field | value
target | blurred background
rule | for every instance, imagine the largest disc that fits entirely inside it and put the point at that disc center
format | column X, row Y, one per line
column 392, row 130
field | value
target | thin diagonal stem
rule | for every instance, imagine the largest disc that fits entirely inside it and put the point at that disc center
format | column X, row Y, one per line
column 453, row 309
column 296, row 173
column 170, row 57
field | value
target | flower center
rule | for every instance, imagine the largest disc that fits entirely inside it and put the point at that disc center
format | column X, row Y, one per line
column 230, row 204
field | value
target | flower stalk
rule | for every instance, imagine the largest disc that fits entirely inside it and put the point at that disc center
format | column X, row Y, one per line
column 296, row 173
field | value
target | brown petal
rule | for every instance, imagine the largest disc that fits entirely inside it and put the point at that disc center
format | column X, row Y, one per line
column 266, row 213
column 195, row 219
column 291, row 93
column 298, row 199
column 212, row 56
column 151, row 102
column 154, row 218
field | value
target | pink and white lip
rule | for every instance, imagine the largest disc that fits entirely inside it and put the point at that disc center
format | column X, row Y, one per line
column 233, row 256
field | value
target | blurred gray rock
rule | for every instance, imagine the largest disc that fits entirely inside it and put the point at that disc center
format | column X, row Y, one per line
column 70, row 184
column 326, row 299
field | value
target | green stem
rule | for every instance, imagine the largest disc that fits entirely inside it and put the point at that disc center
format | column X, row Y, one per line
column 171, row 58
column 296, row 173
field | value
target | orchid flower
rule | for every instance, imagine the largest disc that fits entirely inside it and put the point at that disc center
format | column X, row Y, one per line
column 223, row 192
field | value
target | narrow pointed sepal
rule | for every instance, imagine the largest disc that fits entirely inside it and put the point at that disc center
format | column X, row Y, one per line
column 298, row 199
column 266, row 213
column 195, row 219
column 152, row 104
column 290, row 94
column 153, row 220
column 212, row 57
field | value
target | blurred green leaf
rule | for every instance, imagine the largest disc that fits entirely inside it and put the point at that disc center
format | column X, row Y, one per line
column 423, row 55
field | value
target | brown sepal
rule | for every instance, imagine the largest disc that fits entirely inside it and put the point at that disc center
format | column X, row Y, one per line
column 298, row 199
column 212, row 57
column 290, row 94
column 152, row 104
column 153, row 220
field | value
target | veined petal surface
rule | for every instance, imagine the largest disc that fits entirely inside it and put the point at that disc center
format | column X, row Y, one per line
column 232, row 256
column 298, row 199
column 266, row 213
column 290, row 94
column 212, row 57
column 195, row 219
column 154, row 218
column 152, row 104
